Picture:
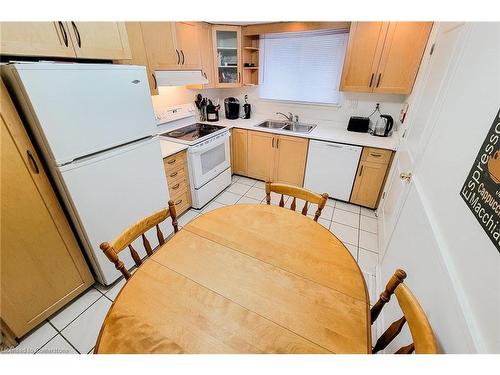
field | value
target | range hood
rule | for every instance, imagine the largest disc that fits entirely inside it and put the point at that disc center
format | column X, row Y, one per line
column 179, row 77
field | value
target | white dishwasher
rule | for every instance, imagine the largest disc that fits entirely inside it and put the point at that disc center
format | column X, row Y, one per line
column 331, row 168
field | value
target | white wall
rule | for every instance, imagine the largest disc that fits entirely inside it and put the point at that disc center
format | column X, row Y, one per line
column 352, row 104
column 454, row 268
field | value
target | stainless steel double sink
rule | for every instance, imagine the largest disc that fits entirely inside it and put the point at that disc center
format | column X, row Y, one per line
column 295, row 127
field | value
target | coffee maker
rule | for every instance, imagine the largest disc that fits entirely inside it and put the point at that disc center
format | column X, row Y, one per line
column 232, row 107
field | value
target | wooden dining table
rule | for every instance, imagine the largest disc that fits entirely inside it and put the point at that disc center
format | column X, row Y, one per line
column 243, row 279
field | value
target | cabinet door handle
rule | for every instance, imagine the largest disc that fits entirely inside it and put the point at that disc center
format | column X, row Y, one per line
column 239, row 77
column 277, row 143
column 77, row 33
column 176, row 186
column 154, row 79
column 378, row 81
column 375, row 155
column 178, row 57
column 173, row 174
column 360, row 170
column 171, row 161
column 182, row 53
column 33, row 162
column 178, row 202
column 273, row 142
column 371, row 80
column 63, row 32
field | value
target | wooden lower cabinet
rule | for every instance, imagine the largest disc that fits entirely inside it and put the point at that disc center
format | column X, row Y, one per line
column 42, row 267
column 260, row 155
column 276, row 158
column 239, row 150
column 177, row 173
column 370, row 176
column 290, row 160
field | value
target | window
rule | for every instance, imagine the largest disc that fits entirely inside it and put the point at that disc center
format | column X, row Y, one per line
column 302, row 67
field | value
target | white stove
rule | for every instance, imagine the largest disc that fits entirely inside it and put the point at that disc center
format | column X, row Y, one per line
column 208, row 152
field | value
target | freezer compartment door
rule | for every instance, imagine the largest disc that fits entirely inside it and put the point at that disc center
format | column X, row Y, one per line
column 331, row 168
column 80, row 109
column 112, row 191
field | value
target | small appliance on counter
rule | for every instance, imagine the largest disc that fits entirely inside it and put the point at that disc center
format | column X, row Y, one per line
column 232, row 107
column 358, row 124
column 212, row 111
column 383, row 126
column 247, row 108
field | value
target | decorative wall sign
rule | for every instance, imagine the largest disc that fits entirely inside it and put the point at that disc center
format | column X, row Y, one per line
column 481, row 190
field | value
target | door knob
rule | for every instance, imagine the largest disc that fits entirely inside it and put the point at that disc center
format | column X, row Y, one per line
column 405, row 176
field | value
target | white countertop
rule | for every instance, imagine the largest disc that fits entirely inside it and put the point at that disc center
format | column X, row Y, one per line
column 169, row 148
column 321, row 132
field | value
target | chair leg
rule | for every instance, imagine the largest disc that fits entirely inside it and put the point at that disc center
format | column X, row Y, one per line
column 268, row 192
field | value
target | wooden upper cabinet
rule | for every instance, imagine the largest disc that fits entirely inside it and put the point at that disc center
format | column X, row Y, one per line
column 290, row 160
column 99, row 40
column 186, row 36
column 172, row 45
column 42, row 267
column 49, row 39
column 206, row 55
column 364, row 48
column 159, row 40
column 403, row 49
column 239, row 151
column 138, row 51
column 260, row 157
column 384, row 56
column 227, row 55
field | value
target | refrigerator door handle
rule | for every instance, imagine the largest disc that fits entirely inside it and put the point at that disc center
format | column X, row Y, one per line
column 103, row 153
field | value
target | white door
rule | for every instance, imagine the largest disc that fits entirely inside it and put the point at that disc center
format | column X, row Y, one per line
column 452, row 264
column 110, row 192
column 86, row 108
column 431, row 82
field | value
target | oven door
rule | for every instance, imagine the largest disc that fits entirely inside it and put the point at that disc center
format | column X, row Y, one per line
column 208, row 159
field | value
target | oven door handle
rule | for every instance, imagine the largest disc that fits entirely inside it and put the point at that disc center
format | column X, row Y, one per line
column 210, row 145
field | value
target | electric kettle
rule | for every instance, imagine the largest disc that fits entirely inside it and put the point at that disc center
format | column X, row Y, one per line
column 383, row 126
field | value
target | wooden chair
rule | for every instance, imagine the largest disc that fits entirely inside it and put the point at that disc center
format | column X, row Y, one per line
column 126, row 238
column 424, row 341
column 296, row 192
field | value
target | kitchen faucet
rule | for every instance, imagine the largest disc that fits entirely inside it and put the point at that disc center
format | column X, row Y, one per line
column 289, row 117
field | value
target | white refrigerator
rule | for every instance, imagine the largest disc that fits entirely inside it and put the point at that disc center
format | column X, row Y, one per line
column 94, row 125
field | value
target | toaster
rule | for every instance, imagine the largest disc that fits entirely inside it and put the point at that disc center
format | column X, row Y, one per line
column 358, row 124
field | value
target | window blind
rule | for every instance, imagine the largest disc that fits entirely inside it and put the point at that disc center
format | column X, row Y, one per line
column 302, row 67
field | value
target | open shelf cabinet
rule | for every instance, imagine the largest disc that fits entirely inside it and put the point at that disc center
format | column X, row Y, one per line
column 250, row 60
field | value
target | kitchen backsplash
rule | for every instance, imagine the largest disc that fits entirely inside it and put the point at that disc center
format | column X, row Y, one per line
column 352, row 104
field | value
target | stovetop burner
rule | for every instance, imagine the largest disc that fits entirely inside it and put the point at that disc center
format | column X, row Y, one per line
column 193, row 132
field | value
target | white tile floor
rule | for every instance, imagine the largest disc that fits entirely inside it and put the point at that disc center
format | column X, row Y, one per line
column 74, row 329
